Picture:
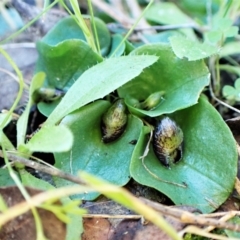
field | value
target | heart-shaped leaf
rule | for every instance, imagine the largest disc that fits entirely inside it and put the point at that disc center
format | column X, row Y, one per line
column 65, row 62
column 205, row 175
column 181, row 80
column 109, row 161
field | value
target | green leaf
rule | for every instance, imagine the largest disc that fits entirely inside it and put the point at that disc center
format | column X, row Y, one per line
column 3, row 115
column 229, row 92
column 208, row 167
column 237, row 84
column 233, row 234
column 116, row 40
column 230, row 68
column 5, row 178
column 65, row 62
column 232, row 32
column 46, row 108
column 68, row 29
column 90, row 154
column 224, row 26
column 29, row 180
column 4, row 141
column 162, row 37
column 51, row 139
column 99, row 81
column 169, row 13
column 181, row 80
column 213, row 37
column 231, row 48
column 192, row 50
column 22, row 122
column 3, row 205
column 9, row 21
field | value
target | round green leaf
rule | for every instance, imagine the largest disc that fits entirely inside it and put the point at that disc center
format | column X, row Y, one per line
column 237, row 84
column 65, row 62
column 108, row 161
column 47, row 108
column 181, row 80
column 205, row 175
column 229, row 92
column 68, row 29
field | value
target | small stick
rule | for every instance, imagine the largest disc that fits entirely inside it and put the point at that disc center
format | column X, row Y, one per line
column 197, row 231
column 222, row 219
column 187, row 217
column 42, row 168
column 111, row 216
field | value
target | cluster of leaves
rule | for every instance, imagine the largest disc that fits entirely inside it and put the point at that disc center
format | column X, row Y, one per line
column 173, row 63
column 175, row 67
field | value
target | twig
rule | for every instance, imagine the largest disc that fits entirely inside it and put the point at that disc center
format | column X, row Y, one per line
column 187, row 217
column 157, row 27
column 222, row 219
column 111, row 216
column 197, row 231
column 18, row 45
column 42, row 168
column 9, row 73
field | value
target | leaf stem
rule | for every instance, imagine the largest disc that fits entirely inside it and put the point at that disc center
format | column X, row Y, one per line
column 21, row 86
column 82, row 24
column 94, row 25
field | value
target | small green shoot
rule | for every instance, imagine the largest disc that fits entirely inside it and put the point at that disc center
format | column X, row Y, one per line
column 232, row 93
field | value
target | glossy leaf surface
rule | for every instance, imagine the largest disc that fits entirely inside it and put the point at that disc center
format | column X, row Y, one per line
column 109, row 161
column 205, row 176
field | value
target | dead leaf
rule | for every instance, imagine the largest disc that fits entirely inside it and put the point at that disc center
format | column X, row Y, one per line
column 23, row 227
column 96, row 229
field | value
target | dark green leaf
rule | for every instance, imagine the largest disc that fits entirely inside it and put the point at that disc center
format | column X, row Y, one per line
column 65, row 62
